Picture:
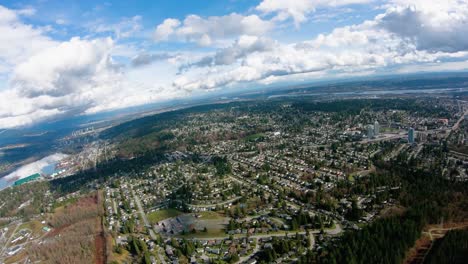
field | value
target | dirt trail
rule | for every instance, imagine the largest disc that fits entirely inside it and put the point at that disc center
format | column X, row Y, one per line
column 100, row 240
column 423, row 245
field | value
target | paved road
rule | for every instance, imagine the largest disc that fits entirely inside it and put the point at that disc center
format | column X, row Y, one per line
column 312, row 240
column 395, row 153
column 115, row 205
column 334, row 231
column 160, row 256
column 215, row 204
column 282, row 234
column 8, row 240
column 8, row 218
column 147, row 224
column 245, row 258
column 457, row 124
column 115, row 211
column 140, row 209
column 417, row 151
column 143, row 216
column 387, row 137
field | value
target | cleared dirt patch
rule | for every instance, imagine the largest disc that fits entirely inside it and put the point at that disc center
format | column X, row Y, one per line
column 418, row 251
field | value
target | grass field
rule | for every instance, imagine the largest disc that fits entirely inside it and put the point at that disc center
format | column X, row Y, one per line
column 159, row 215
column 209, row 215
column 388, row 130
column 254, row 137
column 120, row 258
column 16, row 258
column 35, row 226
column 65, row 202
column 3, row 223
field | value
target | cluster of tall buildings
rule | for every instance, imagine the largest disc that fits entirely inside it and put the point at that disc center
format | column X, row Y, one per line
column 373, row 130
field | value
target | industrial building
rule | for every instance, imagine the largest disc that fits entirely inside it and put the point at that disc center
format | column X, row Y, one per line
column 27, row 179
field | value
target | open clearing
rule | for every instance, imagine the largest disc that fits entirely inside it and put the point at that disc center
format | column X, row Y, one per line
column 159, row 215
column 209, row 215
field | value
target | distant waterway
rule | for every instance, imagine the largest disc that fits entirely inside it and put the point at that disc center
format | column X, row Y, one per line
column 376, row 92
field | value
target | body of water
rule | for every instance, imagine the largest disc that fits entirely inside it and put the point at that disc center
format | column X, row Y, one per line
column 45, row 166
column 374, row 92
column 4, row 183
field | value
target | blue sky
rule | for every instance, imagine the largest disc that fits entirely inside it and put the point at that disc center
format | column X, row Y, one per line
column 62, row 58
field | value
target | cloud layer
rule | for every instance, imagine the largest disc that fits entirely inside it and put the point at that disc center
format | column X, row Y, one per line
column 18, row 41
column 69, row 77
column 123, row 63
column 407, row 32
column 434, row 26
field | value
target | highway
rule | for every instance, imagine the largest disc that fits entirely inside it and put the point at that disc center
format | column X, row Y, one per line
column 457, row 124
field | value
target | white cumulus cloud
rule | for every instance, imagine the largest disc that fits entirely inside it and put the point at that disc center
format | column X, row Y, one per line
column 430, row 25
column 67, row 78
column 242, row 47
column 206, row 31
column 18, row 41
column 298, row 10
column 166, row 29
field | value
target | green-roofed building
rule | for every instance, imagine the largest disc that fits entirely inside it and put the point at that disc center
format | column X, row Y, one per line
column 27, row 179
